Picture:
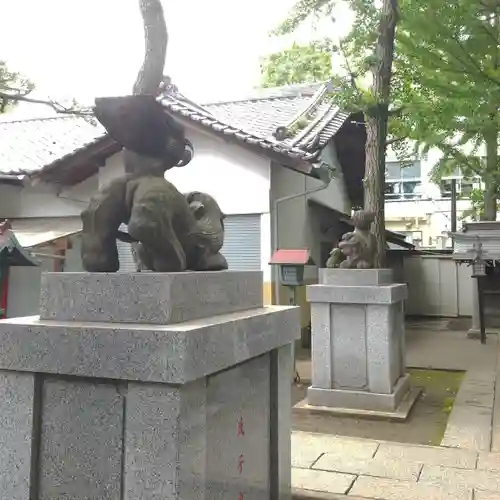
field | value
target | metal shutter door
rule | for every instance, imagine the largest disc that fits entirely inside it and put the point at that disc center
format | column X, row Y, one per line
column 242, row 242
column 127, row 264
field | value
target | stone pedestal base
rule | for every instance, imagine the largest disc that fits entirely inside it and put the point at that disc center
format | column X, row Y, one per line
column 125, row 387
column 474, row 333
column 358, row 349
column 359, row 400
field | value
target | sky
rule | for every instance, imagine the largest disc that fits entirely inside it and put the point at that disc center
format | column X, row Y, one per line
column 89, row 48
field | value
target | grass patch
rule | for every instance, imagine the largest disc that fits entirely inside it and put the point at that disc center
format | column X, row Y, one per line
column 440, row 388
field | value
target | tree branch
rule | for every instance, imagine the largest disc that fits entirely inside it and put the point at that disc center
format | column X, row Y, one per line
column 59, row 108
column 473, row 61
column 156, row 39
column 352, row 76
column 395, row 139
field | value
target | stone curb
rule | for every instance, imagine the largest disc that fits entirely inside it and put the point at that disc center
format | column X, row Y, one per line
column 470, row 424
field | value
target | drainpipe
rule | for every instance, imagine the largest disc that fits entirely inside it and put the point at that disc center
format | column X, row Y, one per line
column 326, row 175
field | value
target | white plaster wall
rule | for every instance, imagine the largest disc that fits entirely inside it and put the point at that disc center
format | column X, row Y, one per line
column 43, row 200
column 335, row 195
column 239, row 180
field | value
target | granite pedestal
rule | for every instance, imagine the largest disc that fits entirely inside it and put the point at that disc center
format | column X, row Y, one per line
column 147, row 386
column 358, row 349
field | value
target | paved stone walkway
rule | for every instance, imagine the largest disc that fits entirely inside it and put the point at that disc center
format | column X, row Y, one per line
column 331, row 467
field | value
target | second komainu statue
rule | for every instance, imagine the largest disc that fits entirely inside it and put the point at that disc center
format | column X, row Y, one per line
column 357, row 249
column 170, row 231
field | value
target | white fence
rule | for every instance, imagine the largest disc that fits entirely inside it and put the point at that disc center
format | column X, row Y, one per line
column 437, row 286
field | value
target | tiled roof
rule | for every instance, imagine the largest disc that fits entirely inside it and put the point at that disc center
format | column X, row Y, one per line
column 27, row 146
column 255, row 120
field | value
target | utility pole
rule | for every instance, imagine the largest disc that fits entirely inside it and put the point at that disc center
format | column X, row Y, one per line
column 453, row 209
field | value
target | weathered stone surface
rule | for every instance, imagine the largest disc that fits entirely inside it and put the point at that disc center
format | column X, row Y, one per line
column 356, row 249
column 447, row 476
column 385, row 347
column 390, row 468
column 196, row 409
column 336, row 294
column 428, row 455
column 81, row 440
column 362, row 400
column 317, row 480
column 358, row 359
column 165, row 441
column 485, row 495
column 306, row 458
column 470, row 423
column 311, row 444
column 355, row 277
column 469, row 427
column 173, row 353
column 238, row 435
column 392, row 489
column 151, row 298
column 281, row 365
column 322, row 342
column 319, row 495
column 16, row 428
column 489, row 461
column 348, row 329
column 475, row 396
column 400, row 414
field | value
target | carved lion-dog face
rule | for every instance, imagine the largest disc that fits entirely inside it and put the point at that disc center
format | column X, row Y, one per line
column 209, row 216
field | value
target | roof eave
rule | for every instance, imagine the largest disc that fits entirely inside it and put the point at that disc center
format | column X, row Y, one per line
column 79, row 165
column 286, row 160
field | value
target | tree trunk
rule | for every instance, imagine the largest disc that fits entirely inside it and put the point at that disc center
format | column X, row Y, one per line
column 156, row 39
column 376, row 124
column 490, row 203
column 151, row 73
column 490, row 194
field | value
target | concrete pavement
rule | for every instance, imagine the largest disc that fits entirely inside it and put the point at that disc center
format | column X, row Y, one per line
column 334, row 467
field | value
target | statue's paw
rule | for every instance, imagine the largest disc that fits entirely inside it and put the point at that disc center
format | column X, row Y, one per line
column 214, row 262
column 363, row 264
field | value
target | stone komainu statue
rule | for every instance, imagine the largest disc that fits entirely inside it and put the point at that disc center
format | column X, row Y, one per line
column 209, row 236
column 357, row 249
column 171, row 232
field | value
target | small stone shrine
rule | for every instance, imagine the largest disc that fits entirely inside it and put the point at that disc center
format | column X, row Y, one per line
column 147, row 385
column 358, row 333
column 487, row 234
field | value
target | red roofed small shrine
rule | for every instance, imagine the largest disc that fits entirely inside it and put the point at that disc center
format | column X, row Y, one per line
column 301, row 257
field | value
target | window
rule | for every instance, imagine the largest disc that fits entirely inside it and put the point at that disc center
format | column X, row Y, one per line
column 403, row 182
column 464, row 187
